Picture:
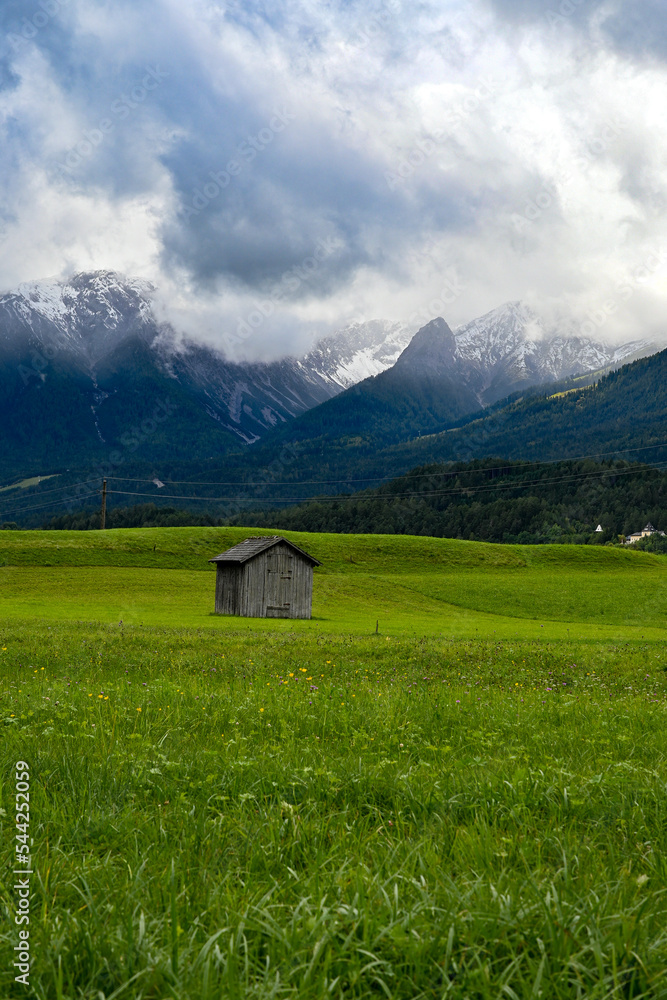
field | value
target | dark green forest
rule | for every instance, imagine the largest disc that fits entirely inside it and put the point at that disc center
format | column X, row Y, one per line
column 493, row 501
column 328, row 450
column 623, row 418
column 485, row 500
column 146, row 515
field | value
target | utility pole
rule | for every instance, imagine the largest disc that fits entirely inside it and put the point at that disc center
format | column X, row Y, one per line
column 103, row 517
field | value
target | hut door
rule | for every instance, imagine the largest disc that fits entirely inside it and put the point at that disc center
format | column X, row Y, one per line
column 279, row 585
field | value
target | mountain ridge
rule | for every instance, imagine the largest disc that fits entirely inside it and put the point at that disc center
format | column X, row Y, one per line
column 84, row 323
column 83, row 361
column 623, row 416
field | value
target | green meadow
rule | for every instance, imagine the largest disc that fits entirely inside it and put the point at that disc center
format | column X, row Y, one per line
column 412, row 586
column 471, row 803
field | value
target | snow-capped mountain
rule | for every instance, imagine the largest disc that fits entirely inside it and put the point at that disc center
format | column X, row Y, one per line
column 87, row 326
column 86, row 317
column 358, row 351
column 83, row 322
column 83, row 362
column 510, row 347
column 251, row 398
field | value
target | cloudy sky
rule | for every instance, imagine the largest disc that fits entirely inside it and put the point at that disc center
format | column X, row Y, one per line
column 341, row 159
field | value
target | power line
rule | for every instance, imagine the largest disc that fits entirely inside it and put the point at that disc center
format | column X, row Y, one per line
column 57, row 489
column 51, row 503
column 371, row 479
column 535, row 482
column 469, row 490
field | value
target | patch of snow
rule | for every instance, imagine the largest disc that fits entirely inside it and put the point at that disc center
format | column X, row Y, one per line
column 269, row 416
column 46, row 298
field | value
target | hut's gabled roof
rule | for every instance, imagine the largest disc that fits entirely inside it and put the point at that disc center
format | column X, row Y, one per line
column 252, row 547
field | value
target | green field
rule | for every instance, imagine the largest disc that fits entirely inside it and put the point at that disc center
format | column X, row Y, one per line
column 421, row 586
column 470, row 804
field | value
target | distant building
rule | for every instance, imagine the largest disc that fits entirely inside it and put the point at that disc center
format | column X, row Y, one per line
column 599, row 528
column 265, row 577
column 644, row 533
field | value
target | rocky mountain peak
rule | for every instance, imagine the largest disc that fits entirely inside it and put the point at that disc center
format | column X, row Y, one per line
column 432, row 350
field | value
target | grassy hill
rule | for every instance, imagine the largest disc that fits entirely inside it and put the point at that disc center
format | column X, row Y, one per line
column 161, row 576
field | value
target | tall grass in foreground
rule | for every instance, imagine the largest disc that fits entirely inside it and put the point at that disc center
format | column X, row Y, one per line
column 336, row 817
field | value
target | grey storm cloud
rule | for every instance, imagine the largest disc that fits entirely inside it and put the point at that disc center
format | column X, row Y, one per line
column 639, row 30
column 258, row 179
column 255, row 210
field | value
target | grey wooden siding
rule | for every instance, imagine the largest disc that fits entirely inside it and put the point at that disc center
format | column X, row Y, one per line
column 277, row 583
column 227, row 589
column 302, row 590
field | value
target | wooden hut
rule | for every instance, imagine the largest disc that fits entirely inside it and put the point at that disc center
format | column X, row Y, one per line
column 265, row 577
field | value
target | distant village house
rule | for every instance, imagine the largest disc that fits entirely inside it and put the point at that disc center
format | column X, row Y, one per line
column 265, row 577
column 644, row 533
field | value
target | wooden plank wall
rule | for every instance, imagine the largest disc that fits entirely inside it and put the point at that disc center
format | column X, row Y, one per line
column 227, row 585
column 252, row 601
column 278, row 596
column 277, row 583
column 302, row 588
